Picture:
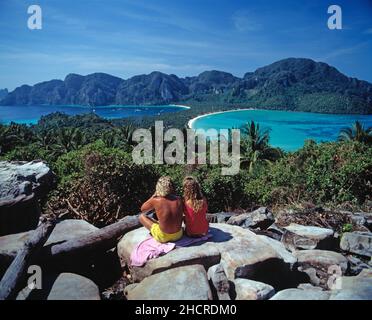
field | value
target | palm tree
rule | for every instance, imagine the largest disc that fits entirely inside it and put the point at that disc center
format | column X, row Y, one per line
column 13, row 135
column 126, row 133
column 255, row 146
column 356, row 132
column 68, row 139
column 46, row 139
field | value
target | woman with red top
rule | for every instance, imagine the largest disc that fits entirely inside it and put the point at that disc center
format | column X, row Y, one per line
column 195, row 208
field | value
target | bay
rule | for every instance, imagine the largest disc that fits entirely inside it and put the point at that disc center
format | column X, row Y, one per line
column 288, row 130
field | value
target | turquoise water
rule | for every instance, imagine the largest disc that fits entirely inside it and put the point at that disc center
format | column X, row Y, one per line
column 288, row 130
column 31, row 114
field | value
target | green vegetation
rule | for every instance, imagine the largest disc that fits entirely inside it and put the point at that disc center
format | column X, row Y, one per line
column 356, row 133
column 97, row 180
column 256, row 148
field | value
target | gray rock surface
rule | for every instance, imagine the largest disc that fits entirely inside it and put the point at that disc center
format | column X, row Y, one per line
column 356, row 265
column 239, row 250
column 183, row 283
column 261, row 218
column 307, row 237
column 22, row 185
column 66, row 286
column 220, row 217
column 63, row 231
column 299, row 294
column 246, row 289
column 354, row 288
column 357, row 242
column 220, row 284
column 320, row 265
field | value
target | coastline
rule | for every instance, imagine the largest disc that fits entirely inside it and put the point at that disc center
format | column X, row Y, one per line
column 179, row 106
column 191, row 121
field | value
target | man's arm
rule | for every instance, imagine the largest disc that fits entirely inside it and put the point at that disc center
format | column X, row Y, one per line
column 148, row 205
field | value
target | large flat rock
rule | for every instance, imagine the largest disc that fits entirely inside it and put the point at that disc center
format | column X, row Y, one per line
column 22, row 184
column 297, row 236
column 65, row 286
column 299, row 294
column 183, row 283
column 239, row 251
column 63, row 231
column 320, row 265
column 357, row 242
column 354, row 288
column 261, row 218
column 246, row 289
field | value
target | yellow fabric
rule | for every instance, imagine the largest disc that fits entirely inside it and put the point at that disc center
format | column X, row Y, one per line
column 162, row 236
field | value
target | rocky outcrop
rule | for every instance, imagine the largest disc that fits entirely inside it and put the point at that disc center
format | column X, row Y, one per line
column 360, row 219
column 357, row 265
column 246, row 289
column 354, row 288
column 261, row 218
column 357, row 242
column 183, row 283
column 320, row 265
column 22, row 185
column 299, row 294
column 240, row 252
column 307, row 237
column 345, row 288
column 220, row 217
column 63, row 231
column 65, row 286
column 220, row 285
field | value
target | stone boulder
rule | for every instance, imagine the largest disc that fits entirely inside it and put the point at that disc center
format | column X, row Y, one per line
column 239, row 251
column 183, row 283
column 356, row 265
column 65, row 286
column 246, row 289
column 219, row 217
column 22, row 185
column 320, row 265
column 299, row 294
column 297, row 236
column 63, row 231
column 354, row 288
column 261, row 218
column 308, row 286
column 357, row 242
column 360, row 219
column 220, row 285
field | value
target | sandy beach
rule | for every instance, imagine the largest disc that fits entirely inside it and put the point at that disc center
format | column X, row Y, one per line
column 191, row 121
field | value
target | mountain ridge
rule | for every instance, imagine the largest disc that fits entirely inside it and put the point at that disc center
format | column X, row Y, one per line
column 296, row 84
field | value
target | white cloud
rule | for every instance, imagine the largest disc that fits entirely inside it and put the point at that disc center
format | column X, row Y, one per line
column 244, row 21
column 343, row 51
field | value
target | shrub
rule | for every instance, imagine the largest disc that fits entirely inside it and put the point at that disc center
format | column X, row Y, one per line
column 101, row 185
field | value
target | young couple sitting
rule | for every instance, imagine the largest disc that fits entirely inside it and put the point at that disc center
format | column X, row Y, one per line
column 171, row 210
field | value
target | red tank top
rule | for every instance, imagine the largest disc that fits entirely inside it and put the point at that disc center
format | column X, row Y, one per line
column 196, row 223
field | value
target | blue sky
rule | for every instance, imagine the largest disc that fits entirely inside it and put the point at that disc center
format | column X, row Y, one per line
column 129, row 37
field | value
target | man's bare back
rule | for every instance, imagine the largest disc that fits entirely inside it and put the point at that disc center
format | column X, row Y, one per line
column 169, row 211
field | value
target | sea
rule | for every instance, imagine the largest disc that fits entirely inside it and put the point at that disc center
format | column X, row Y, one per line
column 288, row 130
column 32, row 114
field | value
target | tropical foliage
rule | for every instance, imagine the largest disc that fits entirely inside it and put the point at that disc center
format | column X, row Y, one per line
column 356, row 133
column 97, row 180
column 255, row 146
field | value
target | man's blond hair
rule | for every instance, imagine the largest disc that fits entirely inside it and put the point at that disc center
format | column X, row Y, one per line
column 164, row 187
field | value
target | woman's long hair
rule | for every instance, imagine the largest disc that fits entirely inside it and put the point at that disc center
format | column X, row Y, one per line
column 192, row 193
